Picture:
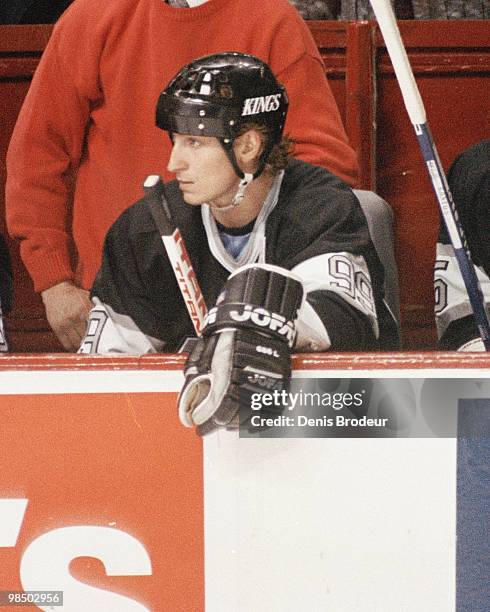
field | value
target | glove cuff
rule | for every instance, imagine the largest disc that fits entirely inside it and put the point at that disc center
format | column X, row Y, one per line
column 259, row 297
column 271, row 287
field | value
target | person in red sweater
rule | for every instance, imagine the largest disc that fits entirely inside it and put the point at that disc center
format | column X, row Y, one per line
column 85, row 138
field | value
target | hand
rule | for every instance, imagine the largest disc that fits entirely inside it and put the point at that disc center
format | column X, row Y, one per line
column 245, row 349
column 67, row 308
column 225, row 372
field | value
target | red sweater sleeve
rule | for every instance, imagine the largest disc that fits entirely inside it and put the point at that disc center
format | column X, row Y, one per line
column 44, row 153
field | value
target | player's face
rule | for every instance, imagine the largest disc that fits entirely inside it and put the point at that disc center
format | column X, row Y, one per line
column 203, row 170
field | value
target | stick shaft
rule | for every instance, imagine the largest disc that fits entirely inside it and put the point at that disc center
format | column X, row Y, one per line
column 399, row 58
column 186, row 279
column 455, row 231
column 416, row 111
column 176, row 251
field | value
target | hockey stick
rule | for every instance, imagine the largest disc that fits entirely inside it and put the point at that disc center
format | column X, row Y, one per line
column 176, row 251
column 416, row 111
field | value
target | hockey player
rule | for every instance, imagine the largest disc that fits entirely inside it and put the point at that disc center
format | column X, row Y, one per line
column 469, row 181
column 280, row 248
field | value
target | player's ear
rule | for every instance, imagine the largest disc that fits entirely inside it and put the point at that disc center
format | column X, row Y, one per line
column 248, row 148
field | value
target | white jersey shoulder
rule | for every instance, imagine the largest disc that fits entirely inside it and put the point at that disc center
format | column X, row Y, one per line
column 109, row 332
column 451, row 299
column 342, row 273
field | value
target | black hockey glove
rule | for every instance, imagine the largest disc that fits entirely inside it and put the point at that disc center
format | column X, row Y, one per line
column 245, row 348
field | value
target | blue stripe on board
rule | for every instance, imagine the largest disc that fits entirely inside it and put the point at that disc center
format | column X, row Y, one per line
column 473, row 507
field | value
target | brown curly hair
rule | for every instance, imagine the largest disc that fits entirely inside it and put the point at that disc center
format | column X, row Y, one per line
column 279, row 156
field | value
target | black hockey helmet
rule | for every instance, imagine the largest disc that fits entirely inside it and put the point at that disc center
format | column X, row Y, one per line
column 217, row 94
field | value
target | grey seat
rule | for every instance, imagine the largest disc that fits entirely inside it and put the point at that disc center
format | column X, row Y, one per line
column 380, row 219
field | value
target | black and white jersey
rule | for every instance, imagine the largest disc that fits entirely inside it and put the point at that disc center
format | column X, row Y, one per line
column 469, row 181
column 456, row 327
column 311, row 223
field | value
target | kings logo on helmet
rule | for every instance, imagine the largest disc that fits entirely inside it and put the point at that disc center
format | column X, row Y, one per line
column 262, row 104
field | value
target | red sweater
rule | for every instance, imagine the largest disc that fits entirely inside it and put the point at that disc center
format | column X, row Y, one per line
column 91, row 111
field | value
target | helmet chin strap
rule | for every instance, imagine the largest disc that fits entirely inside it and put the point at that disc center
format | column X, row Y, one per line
column 242, row 186
column 240, row 194
column 245, row 177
